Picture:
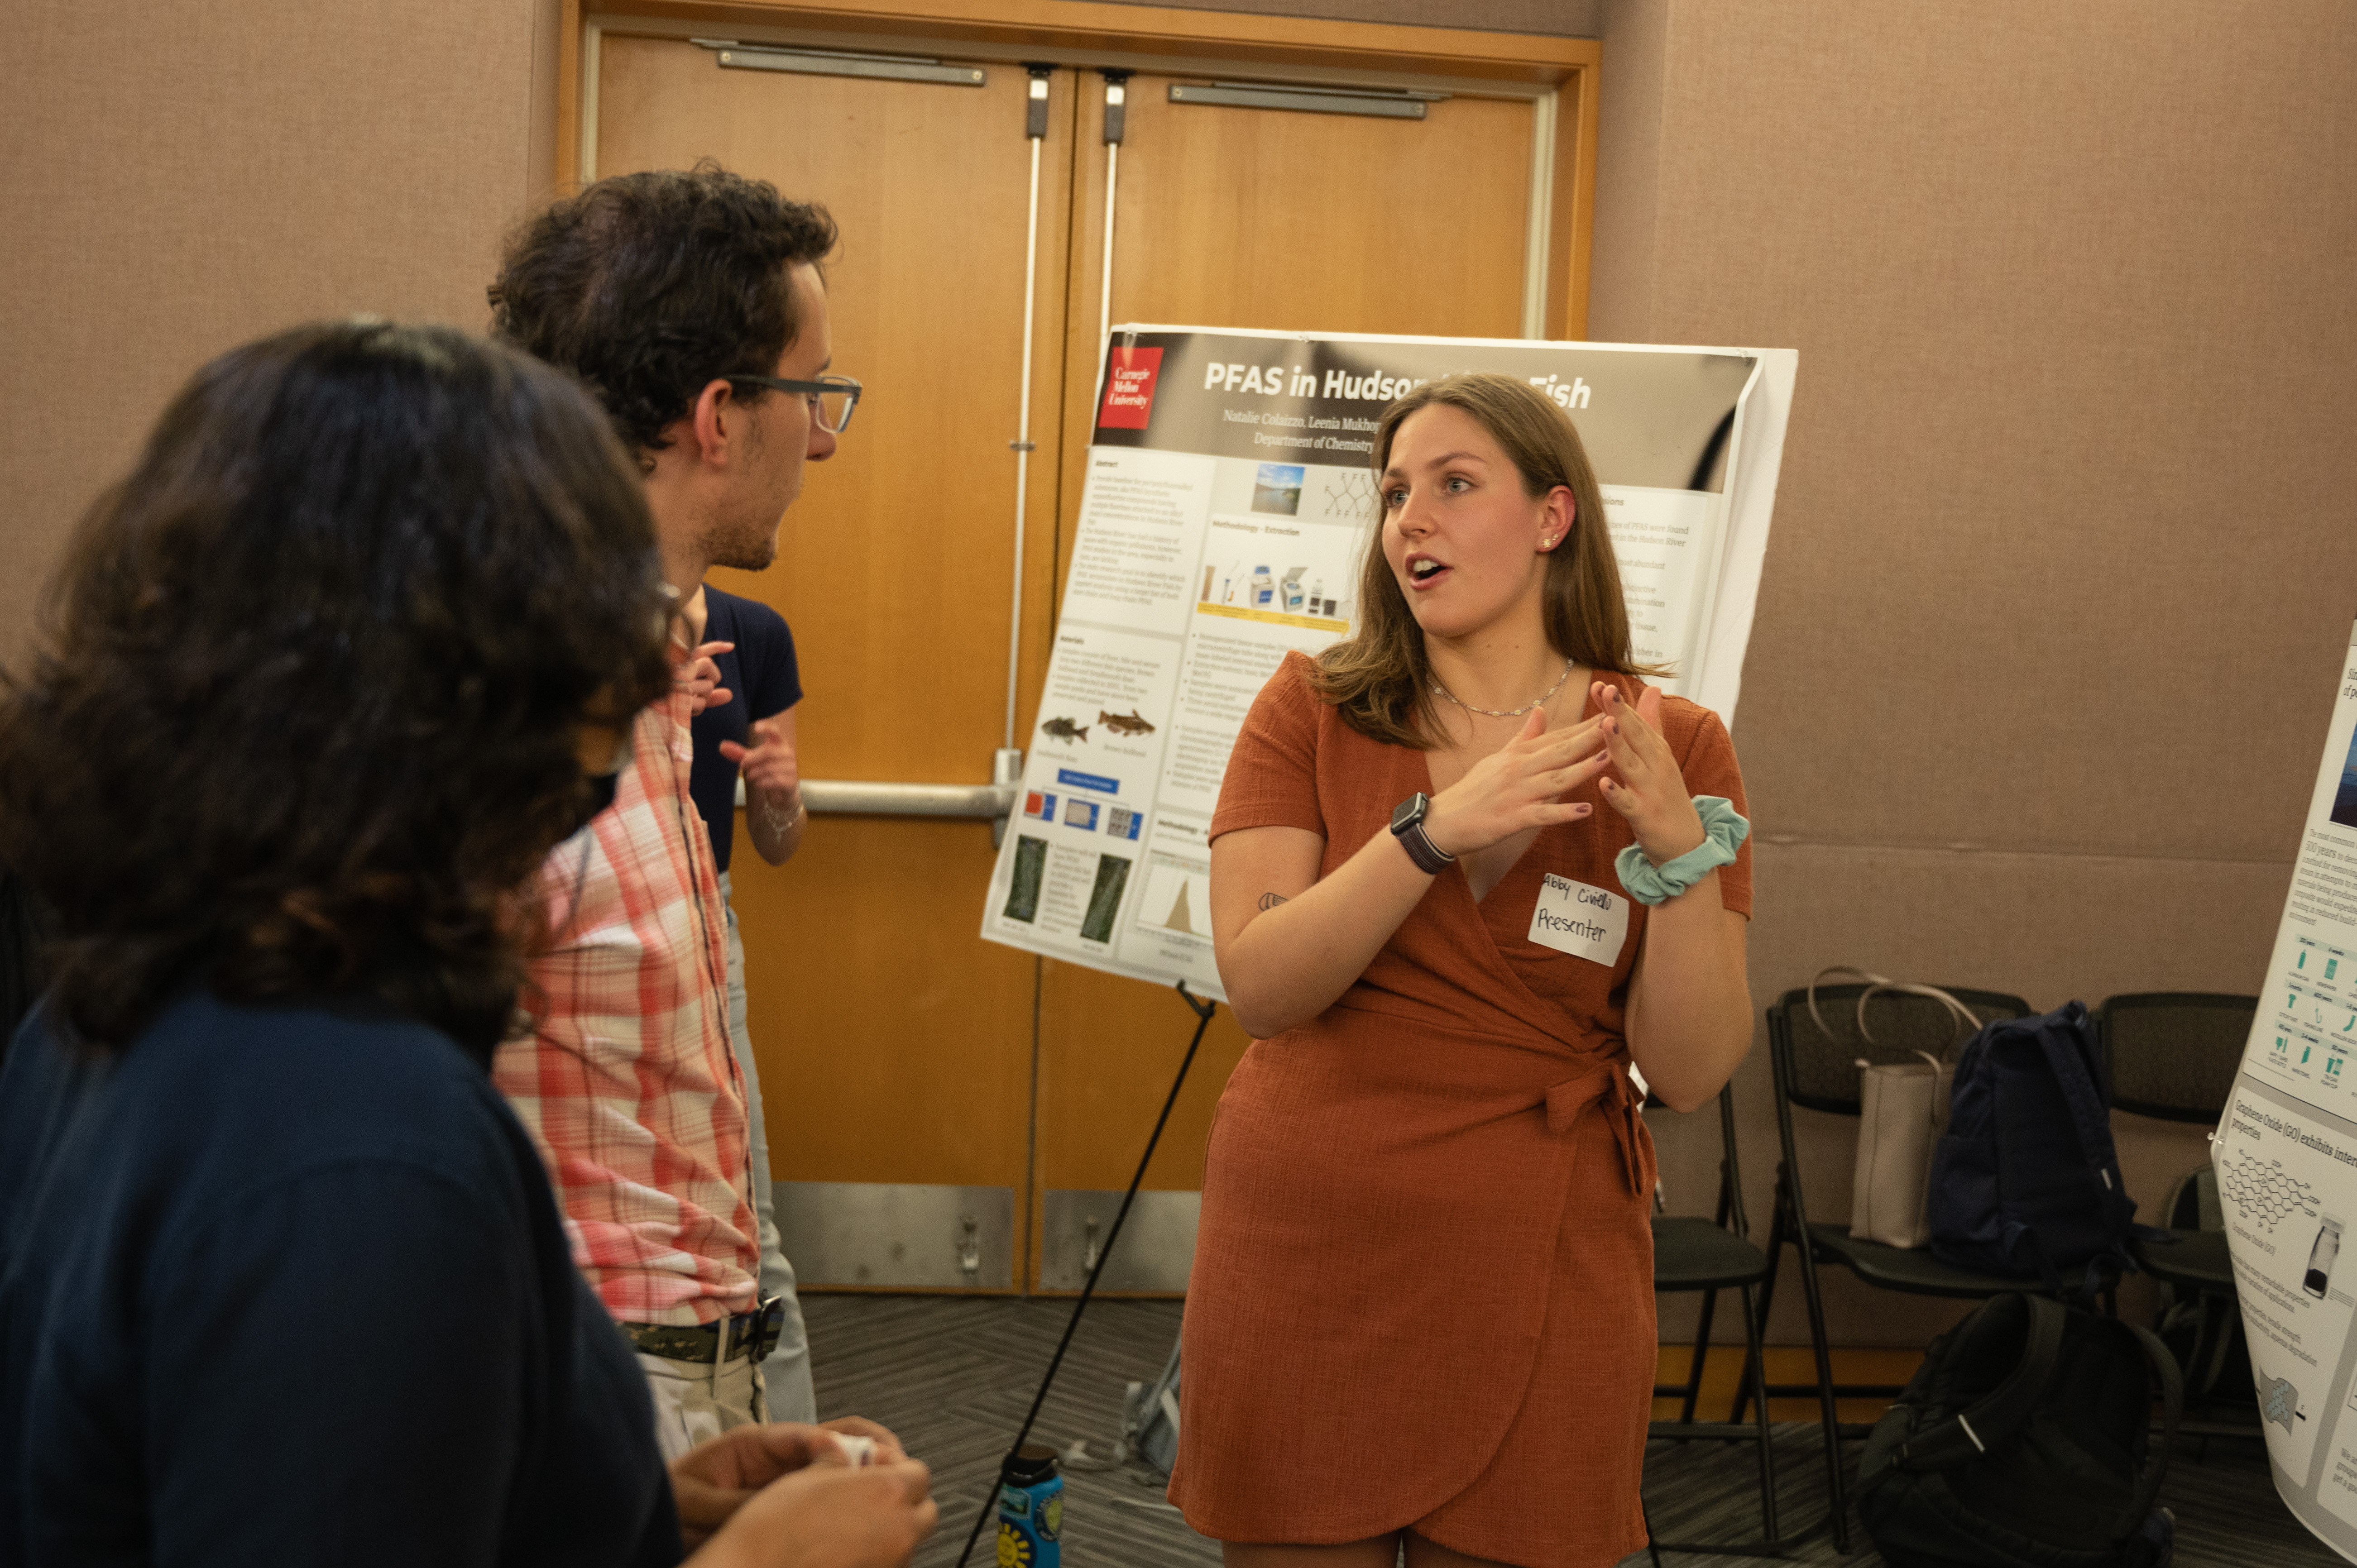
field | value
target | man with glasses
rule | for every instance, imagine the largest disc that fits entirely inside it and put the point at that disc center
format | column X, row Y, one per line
column 752, row 650
column 693, row 305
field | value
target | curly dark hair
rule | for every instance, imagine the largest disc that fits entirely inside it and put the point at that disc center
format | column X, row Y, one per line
column 652, row 286
column 305, row 716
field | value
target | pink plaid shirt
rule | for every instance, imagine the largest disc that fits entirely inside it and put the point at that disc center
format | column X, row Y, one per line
column 627, row 1081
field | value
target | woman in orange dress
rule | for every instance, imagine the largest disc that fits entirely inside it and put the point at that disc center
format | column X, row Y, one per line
column 1422, row 1307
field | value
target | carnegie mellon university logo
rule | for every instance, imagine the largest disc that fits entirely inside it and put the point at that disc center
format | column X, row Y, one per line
column 1130, row 375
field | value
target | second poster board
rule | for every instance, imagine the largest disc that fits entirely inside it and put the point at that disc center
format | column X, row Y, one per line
column 2286, row 1158
column 1228, row 506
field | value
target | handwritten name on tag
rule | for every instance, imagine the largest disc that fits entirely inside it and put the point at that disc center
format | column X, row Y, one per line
column 1586, row 922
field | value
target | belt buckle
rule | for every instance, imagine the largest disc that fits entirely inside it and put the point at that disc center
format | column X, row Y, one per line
column 770, row 1326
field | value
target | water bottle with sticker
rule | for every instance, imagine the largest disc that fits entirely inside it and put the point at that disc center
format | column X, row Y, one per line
column 1031, row 1511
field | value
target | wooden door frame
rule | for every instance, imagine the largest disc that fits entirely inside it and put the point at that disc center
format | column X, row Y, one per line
column 1090, row 32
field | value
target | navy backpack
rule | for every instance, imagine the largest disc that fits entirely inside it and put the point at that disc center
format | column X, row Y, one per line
column 2025, row 1182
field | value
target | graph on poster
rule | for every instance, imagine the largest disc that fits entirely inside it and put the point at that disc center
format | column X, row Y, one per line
column 1178, row 897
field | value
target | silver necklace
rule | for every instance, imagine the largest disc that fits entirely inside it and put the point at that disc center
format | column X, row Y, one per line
column 1540, row 702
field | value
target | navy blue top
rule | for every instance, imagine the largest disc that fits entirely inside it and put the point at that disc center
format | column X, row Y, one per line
column 763, row 680
column 288, row 1285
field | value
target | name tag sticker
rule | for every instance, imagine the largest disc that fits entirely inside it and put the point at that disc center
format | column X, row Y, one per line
column 1586, row 922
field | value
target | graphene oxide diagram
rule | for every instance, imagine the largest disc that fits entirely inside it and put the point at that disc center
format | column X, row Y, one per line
column 1350, row 494
column 2262, row 1191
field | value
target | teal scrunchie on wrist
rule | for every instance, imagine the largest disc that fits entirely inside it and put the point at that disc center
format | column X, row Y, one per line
column 1723, row 829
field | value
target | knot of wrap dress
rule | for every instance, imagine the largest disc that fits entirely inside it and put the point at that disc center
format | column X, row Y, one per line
column 1422, row 1293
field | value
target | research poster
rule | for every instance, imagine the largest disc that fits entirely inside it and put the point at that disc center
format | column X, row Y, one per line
column 1226, row 513
column 2286, row 1154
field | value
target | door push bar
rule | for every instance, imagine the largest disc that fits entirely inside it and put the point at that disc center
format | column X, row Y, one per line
column 864, row 797
column 859, row 798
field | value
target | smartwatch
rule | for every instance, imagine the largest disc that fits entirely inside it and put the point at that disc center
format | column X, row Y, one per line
column 1407, row 826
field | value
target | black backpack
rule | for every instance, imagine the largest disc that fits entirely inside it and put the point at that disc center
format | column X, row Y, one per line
column 2024, row 1442
column 2024, row 1181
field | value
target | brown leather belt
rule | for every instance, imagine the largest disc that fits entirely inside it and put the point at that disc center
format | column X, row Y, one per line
column 750, row 1333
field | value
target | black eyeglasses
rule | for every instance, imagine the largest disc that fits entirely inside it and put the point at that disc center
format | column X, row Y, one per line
column 831, row 398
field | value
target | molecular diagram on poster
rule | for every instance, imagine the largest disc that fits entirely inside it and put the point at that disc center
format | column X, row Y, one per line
column 1350, row 494
column 2262, row 1191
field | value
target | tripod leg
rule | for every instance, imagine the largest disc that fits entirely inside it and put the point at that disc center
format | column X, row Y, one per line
column 1202, row 1010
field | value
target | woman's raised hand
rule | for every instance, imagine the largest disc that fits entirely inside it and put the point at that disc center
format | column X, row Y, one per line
column 1644, row 784
column 1519, row 787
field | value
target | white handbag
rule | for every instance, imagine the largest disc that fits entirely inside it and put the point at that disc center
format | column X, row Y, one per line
column 1903, row 1109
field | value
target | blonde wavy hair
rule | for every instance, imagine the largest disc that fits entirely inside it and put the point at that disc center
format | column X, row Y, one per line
column 1379, row 677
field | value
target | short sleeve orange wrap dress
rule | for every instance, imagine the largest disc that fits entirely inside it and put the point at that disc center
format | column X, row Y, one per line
column 1423, row 1284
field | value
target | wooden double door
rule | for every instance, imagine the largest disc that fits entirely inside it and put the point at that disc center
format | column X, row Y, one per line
column 944, row 1113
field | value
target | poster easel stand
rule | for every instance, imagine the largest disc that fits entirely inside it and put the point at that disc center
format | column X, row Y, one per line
column 1202, row 1010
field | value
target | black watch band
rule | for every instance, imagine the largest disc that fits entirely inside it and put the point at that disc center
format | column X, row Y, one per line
column 1407, row 826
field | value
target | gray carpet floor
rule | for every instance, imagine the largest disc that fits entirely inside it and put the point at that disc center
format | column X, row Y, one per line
column 955, row 1375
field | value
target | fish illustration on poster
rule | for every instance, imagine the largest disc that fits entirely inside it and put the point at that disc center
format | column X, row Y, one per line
column 1225, row 513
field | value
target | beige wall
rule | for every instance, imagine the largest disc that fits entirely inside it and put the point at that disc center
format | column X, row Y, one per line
column 2064, row 553
column 180, row 178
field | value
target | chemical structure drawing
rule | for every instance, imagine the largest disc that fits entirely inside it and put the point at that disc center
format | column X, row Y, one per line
column 1352, row 495
column 2262, row 1191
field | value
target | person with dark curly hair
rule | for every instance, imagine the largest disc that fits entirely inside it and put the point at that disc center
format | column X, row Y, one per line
column 692, row 305
column 282, row 1280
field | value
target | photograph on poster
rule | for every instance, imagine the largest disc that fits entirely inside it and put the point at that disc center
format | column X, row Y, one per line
column 1277, row 488
column 1305, row 572
column 1023, row 894
column 2321, row 1255
column 1104, row 898
column 2345, row 797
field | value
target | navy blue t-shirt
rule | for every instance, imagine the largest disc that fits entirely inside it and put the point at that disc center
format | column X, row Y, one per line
column 286, row 1285
column 764, row 681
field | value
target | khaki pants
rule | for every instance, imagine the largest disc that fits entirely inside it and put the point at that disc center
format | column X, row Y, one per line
column 786, row 1372
column 696, row 1402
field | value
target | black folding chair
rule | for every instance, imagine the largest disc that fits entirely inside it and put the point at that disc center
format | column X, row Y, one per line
column 1691, row 1253
column 1816, row 1069
column 2172, row 1056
